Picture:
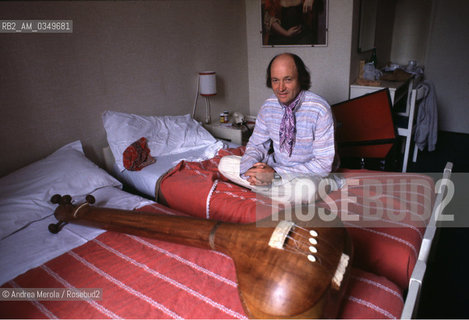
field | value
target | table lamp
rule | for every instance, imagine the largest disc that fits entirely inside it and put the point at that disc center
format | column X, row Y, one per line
column 206, row 87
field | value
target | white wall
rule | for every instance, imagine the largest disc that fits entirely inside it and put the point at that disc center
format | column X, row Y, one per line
column 447, row 64
column 329, row 66
column 131, row 56
column 411, row 29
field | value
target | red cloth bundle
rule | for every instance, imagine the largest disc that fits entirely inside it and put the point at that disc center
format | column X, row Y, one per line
column 137, row 156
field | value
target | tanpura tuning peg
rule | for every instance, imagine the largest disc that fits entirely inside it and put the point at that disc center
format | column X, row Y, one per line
column 56, row 227
column 90, row 199
column 55, row 198
column 66, row 199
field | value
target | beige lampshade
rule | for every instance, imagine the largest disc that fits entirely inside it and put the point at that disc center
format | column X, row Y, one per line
column 207, row 83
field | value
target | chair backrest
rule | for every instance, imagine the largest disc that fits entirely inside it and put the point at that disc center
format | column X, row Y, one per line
column 416, row 95
column 364, row 126
column 420, row 93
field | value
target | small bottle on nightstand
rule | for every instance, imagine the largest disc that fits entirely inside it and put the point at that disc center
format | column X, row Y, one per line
column 224, row 117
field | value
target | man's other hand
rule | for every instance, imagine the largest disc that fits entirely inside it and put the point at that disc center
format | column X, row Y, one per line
column 260, row 174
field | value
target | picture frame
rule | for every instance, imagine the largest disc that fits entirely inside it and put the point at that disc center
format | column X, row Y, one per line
column 290, row 23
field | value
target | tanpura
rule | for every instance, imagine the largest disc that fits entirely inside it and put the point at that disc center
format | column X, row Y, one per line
column 284, row 269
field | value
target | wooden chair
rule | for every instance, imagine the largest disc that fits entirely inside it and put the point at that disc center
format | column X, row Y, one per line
column 365, row 127
column 405, row 125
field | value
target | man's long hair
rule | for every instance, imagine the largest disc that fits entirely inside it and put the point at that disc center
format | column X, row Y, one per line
column 303, row 73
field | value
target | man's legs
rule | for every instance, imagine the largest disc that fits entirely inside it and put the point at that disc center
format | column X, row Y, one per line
column 229, row 167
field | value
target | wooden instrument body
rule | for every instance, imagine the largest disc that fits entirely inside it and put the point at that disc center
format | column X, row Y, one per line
column 272, row 282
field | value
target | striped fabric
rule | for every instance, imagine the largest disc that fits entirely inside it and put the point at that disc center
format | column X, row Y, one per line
column 392, row 210
column 139, row 277
column 385, row 214
column 371, row 297
column 200, row 190
column 151, row 279
column 313, row 149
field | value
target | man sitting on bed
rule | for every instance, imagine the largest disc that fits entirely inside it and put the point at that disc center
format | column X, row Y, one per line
column 298, row 125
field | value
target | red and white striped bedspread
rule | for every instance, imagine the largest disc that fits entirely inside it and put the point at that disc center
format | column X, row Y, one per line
column 385, row 214
column 393, row 209
column 147, row 278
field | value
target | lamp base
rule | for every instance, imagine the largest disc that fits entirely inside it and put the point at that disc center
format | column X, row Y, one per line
column 207, row 110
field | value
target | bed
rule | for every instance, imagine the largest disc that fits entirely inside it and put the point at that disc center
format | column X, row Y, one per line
column 84, row 272
column 393, row 243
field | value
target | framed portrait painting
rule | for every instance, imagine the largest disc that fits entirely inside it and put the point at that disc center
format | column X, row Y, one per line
column 294, row 22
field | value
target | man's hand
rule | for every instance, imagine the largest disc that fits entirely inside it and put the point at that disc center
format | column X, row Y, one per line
column 260, row 174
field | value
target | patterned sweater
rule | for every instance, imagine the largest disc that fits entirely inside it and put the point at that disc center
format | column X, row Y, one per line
column 313, row 149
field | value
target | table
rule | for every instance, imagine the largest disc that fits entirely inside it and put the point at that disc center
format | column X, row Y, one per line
column 397, row 91
column 227, row 131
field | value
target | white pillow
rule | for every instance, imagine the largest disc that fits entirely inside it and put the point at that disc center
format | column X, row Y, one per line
column 66, row 171
column 165, row 134
column 25, row 194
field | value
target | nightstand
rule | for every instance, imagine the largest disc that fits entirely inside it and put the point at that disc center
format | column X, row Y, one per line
column 228, row 132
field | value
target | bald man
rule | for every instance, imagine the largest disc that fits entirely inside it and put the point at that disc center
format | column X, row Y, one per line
column 292, row 146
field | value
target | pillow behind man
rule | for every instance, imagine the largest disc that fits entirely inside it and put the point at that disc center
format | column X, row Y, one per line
column 166, row 135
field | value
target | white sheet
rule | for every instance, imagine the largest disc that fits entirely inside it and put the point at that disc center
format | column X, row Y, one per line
column 35, row 245
column 66, row 171
column 144, row 181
